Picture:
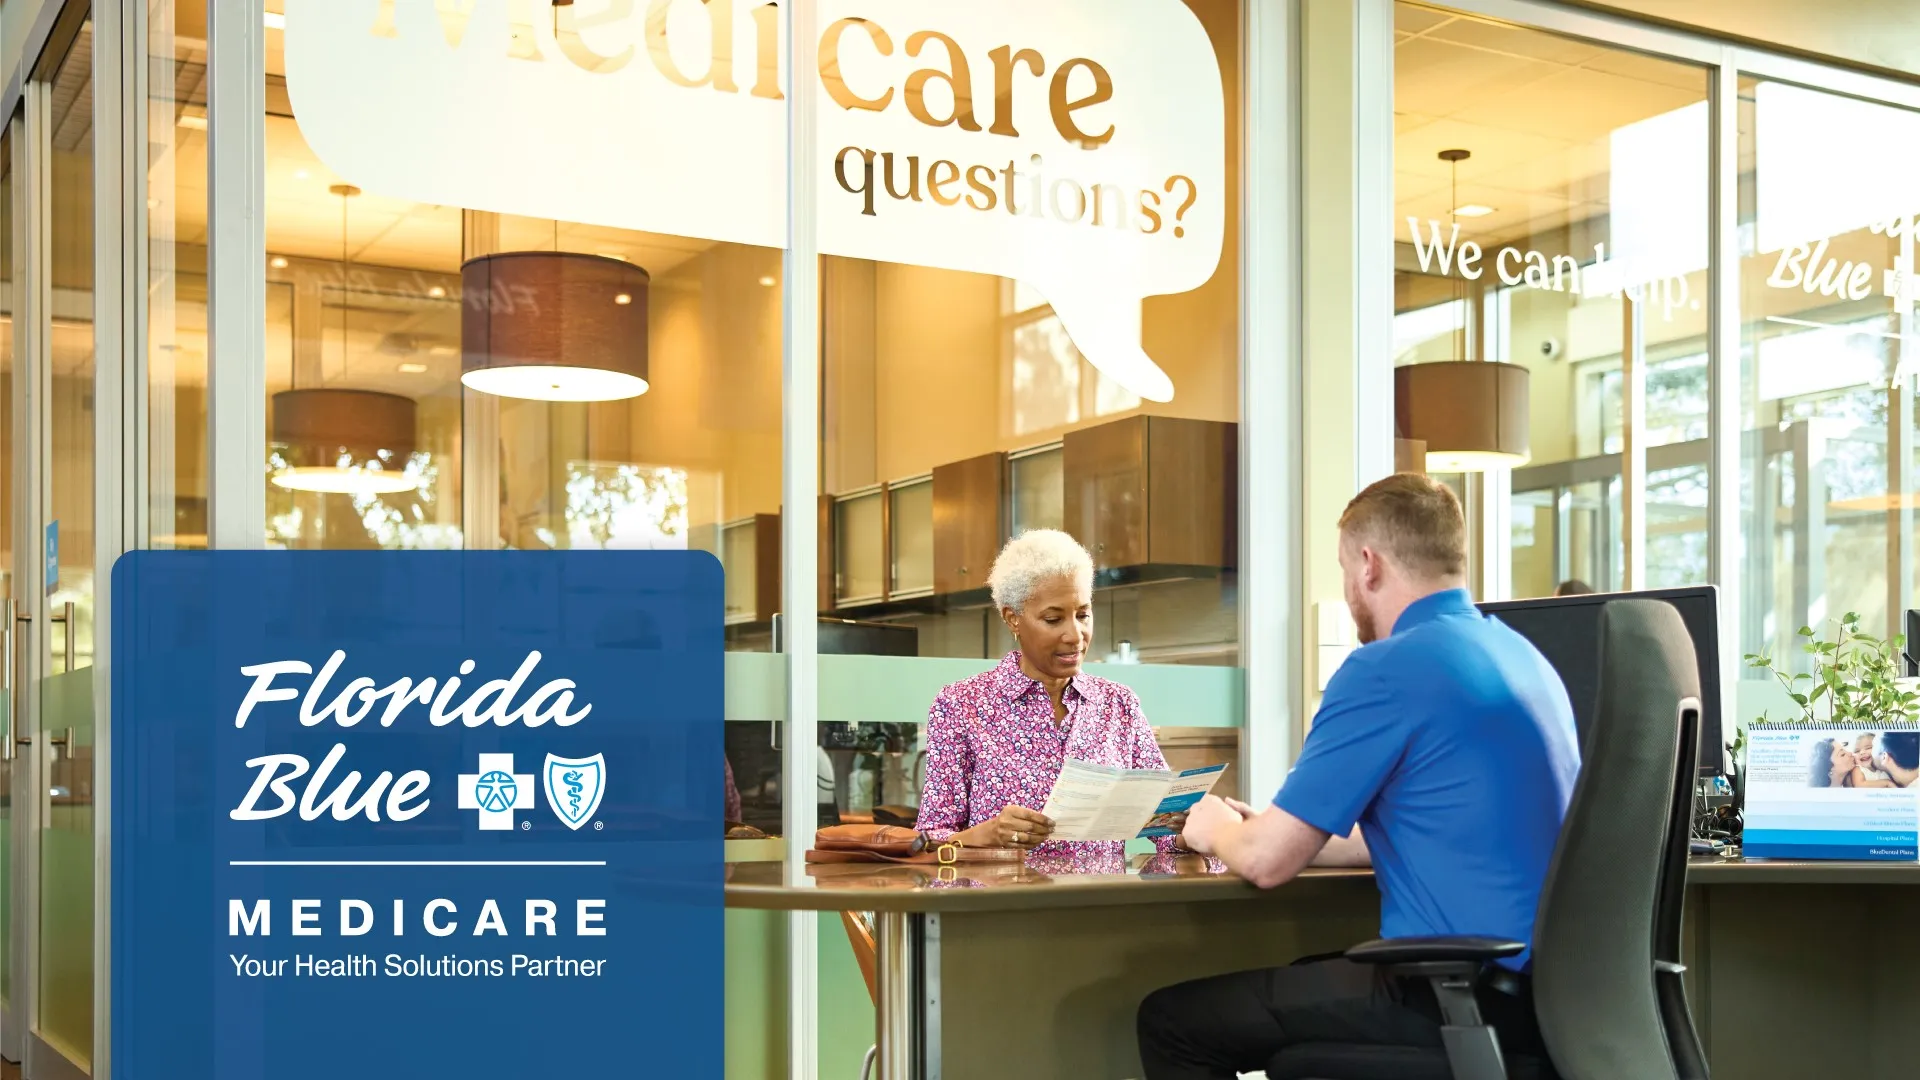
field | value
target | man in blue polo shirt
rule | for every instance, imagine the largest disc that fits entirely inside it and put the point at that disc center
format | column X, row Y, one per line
column 1449, row 741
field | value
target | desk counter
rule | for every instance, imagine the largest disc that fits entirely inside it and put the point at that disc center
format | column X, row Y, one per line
column 1160, row 880
column 1775, row 951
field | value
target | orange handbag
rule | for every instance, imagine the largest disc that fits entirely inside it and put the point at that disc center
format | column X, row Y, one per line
column 893, row 844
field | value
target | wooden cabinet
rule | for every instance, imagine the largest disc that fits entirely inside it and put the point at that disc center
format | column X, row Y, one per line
column 1154, row 491
column 750, row 555
column 969, row 522
column 823, row 556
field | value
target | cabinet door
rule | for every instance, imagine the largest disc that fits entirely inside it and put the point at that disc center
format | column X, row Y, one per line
column 910, row 538
column 969, row 521
column 1193, row 480
column 1106, row 491
column 860, row 548
column 766, row 566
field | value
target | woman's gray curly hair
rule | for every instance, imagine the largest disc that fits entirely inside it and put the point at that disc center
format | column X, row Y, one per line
column 1033, row 557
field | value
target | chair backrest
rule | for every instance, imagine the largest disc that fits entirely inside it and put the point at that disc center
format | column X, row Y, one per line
column 1610, row 910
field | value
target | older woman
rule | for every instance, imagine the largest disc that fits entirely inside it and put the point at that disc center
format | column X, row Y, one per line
column 996, row 742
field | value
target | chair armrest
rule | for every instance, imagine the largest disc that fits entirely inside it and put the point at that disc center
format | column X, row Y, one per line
column 1429, row 950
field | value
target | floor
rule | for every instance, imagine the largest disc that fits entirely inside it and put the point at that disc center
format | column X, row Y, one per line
column 9, row 1070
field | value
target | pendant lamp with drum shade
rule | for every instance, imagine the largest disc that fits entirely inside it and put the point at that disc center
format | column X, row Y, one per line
column 1471, row 414
column 554, row 326
column 342, row 441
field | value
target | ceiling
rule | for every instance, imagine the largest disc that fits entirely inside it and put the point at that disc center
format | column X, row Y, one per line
column 1536, row 111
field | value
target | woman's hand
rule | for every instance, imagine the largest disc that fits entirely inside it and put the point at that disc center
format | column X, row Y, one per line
column 1016, row 826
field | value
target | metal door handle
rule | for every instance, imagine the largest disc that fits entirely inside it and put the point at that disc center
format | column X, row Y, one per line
column 66, row 617
column 63, row 741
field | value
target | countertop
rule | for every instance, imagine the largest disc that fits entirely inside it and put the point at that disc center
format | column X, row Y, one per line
column 1161, row 880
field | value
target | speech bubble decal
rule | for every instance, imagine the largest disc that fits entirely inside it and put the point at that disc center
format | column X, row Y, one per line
column 1066, row 145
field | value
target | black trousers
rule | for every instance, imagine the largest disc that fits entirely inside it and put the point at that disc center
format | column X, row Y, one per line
column 1214, row 1029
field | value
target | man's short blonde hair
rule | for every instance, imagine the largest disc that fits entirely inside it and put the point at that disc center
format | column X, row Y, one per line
column 1412, row 519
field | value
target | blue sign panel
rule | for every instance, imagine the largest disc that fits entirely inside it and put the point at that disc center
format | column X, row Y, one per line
column 52, row 558
column 410, row 814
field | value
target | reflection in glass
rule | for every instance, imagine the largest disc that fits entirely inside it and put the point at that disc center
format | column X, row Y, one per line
column 65, row 727
column 9, row 366
column 1582, row 200
column 1827, row 228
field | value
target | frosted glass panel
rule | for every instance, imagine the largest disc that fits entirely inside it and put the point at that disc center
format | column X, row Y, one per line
column 912, row 536
column 860, row 560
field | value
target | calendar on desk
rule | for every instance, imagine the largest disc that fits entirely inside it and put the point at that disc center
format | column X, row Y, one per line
column 1832, row 791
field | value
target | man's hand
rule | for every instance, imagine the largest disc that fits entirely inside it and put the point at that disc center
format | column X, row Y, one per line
column 1205, row 821
column 1244, row 810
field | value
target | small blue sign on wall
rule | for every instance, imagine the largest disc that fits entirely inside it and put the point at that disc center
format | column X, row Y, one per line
column 417, row 814
column 52, row 558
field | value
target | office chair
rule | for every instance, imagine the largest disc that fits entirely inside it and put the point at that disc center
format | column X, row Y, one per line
column 1606, row 944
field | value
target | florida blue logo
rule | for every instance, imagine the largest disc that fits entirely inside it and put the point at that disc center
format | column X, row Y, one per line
column 574, row 787
column 496, row 791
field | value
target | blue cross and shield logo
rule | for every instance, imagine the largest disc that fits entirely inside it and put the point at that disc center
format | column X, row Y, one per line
column 574, row 787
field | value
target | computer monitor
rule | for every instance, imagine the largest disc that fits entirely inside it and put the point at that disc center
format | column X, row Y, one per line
column 1910, row 652
column 1566, row 630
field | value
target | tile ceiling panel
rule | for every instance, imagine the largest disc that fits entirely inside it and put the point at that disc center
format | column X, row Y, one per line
column 1495, row 150
column 1579, row 106
column 1651, row 69
column 1413, row 20
column 1440, row 79
column 1513, row 41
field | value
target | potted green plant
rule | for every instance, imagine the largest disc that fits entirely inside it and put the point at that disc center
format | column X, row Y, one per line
column 1855, row 679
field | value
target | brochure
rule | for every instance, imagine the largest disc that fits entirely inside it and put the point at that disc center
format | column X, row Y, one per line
column 1830, row 791
column 1105, row 802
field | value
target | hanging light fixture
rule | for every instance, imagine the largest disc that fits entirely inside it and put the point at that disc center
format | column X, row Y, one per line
column 554, row 326
column 345, row 442
column 1471, row 414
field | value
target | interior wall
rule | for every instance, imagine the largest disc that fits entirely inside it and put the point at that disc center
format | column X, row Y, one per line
column 714, row 358
column 1536, row 316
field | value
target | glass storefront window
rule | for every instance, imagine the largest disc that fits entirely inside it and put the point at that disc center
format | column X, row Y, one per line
column 65, row 946
column 980, row 382
column 1570, row 232
column 1827, row 366
column 373, row 312
column 176, row 210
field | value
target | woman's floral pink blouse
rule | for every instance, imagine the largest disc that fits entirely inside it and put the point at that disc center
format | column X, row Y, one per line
column 992, row 743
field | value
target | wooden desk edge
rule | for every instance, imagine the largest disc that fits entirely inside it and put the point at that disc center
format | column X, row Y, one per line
column 1108, row 891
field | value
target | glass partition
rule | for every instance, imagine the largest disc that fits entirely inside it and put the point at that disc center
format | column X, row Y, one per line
column 443, row 375
column 992, row 367
column 64, row 737
column 962, row 408
column 1827, row 367
column 375, row 307
column 1551, row 211
column 176, row 285
column 10, row 366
